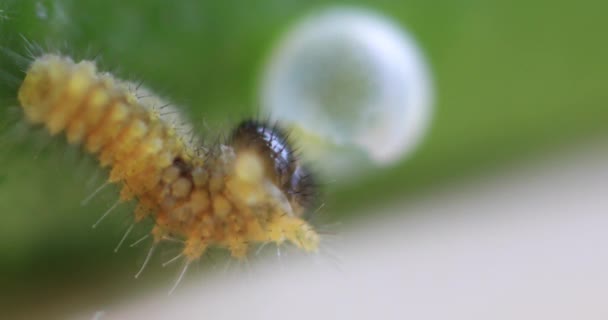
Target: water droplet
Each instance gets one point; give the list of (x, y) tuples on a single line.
[(354, 86)]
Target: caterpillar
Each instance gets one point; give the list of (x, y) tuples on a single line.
[(253, 189)]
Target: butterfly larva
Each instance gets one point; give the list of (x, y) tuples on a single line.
[(252, 189)]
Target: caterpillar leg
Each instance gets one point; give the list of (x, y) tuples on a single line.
[(194, 248), (296, 231)]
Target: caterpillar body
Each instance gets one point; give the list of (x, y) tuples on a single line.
[(250, 190)]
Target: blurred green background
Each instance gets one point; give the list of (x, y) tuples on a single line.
[(514, 79)]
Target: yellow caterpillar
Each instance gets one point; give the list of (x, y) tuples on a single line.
[(250, 190)]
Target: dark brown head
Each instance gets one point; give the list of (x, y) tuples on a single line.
[(280, 161)]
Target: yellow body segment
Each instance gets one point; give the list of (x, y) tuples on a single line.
[(220, 198)]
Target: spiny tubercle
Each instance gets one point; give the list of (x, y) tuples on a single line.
[(226, 197)]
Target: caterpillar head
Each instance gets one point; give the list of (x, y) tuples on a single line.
[(264, 156)]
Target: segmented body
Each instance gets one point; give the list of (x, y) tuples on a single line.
[(227, 196)]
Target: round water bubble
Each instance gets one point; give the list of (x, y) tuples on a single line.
[(354, 87)]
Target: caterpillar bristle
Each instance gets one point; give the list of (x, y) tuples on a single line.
[(124, 237)]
